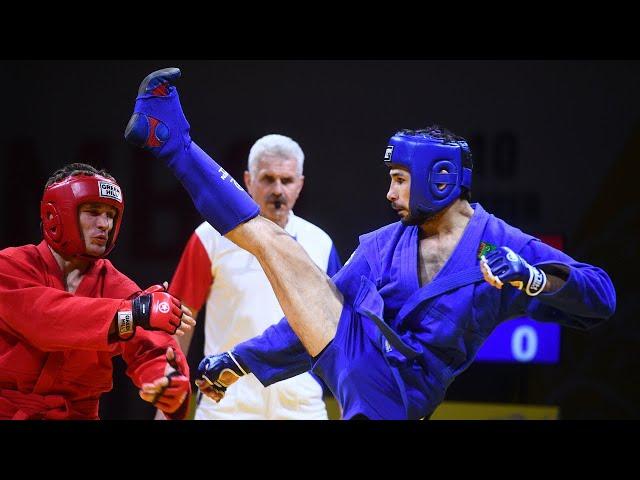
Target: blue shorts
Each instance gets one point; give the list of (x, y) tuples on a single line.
[(359, 368), (358, 373), (372, 371)]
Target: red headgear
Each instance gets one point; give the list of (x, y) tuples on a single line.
[(59, 212)]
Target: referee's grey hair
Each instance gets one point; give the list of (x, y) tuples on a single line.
[(275, 144)]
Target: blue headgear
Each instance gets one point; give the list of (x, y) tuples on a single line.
[(425, 157)]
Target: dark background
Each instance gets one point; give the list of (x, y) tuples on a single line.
[(555, 144)]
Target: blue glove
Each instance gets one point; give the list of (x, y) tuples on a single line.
[(216, 372), (159, 125), (503, 265)]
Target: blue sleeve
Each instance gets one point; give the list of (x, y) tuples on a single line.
[(275, 355), (278, 354), (586, 299), (334, 263)]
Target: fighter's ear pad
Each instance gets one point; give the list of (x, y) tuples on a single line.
[(51, 222)]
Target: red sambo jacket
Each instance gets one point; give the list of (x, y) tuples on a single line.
[(55, 359)]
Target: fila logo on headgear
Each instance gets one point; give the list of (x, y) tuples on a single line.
[(163, 307), (387, 153), (110, 190)]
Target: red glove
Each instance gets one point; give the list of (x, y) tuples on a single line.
[(154, 289), (153, 309), (171, 396)]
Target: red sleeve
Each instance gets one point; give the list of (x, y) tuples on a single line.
[(117, 284), (145, 355), (192, 279), (48, 318)]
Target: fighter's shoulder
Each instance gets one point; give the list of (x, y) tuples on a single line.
[(500, 232), (23, 257), (21, 252), (382, 234)]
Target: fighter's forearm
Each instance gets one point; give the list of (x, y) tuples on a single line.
[(554, 284), (275, 355), (585, 292), (56, 320)]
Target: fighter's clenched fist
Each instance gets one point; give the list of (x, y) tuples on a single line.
[(154, 309), (216, 372), (504, 265)]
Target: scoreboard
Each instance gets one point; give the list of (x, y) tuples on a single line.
[(522, 340)]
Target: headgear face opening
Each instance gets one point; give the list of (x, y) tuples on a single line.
[(426, 157), (59, 212)]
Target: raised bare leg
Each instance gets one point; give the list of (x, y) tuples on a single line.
[(307, 296)]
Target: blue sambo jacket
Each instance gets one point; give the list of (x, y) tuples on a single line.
[(437, 330)]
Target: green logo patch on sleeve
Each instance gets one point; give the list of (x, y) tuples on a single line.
[(484, 248)]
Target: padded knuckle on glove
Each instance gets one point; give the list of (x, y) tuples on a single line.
[(157, 311)]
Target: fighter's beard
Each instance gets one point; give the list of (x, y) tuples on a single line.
[(420, 218)]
